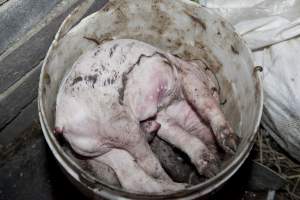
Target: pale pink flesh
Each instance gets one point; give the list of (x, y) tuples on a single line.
[(114, 87)]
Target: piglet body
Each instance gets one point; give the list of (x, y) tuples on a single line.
[(119, 92)]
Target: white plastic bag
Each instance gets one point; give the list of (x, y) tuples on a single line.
[(281, 115), (272, 30)]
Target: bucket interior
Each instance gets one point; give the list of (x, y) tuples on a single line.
[(182, 28)]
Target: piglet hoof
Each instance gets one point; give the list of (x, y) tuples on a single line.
[(228, 140), (211, 170), (208, 164)]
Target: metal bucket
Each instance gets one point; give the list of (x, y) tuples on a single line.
[(180, 27)]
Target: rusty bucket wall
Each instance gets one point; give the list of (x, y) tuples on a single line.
[(180, 27)]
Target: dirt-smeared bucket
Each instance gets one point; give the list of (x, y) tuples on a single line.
[(179, 27)]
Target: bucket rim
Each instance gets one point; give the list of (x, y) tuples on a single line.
[(111, 192)]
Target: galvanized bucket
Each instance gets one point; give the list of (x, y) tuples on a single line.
[(180, 27)]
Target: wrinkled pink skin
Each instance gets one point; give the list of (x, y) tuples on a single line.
[(112, 88)]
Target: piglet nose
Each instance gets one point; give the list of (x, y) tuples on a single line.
[(58, 130)]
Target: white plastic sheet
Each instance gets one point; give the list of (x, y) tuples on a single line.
[(272, 30)]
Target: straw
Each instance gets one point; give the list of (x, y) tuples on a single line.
[(269, 154)]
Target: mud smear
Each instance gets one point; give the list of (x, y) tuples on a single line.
[(197, 20), (76, 80), (231, 108)]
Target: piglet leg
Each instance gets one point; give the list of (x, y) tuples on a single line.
[(144, 156), (192, 124), (132, 177), (204, 160), (199, 96)]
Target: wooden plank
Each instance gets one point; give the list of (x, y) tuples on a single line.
[(262, 178), (17, 98), (18, 17), (29, 51), (24, 120)]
